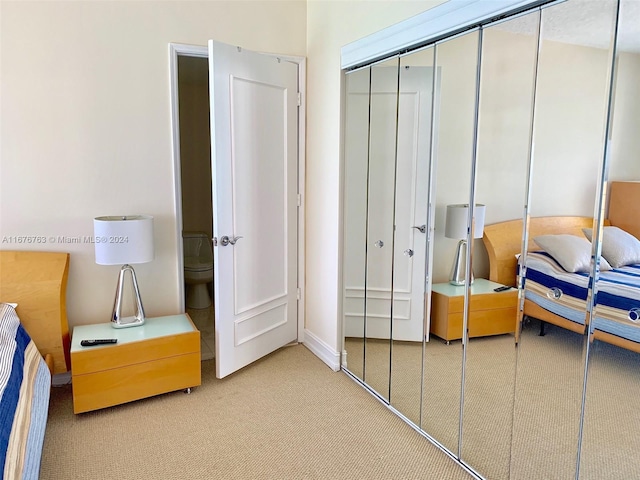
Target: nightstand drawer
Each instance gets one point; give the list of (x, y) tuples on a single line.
[(481, 323), (492, 322), (97, 359), (486, 301), (133, 382)]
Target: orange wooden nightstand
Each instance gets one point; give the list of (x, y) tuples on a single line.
[(161, 356), (490, 313)]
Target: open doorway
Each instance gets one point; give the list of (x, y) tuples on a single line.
[(194, 142)]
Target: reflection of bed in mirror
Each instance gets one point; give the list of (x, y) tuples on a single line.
[(554, 295)]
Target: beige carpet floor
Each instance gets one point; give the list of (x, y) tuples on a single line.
[(288, 416), (531, 393), (203, 319)]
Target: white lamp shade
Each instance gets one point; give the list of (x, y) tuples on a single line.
[(456, 222), (124, 239)]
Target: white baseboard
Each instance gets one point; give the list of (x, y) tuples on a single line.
[(321, 350)]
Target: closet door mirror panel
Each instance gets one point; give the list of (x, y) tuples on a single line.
[(611, 421), (380, 224), (412, 184), (456, 69), (356, 165), (569, 128), (508, 62)]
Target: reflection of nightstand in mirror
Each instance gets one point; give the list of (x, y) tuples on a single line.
[(161, 356), (490, 313)]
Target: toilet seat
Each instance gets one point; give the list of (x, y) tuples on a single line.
[(198, 269)]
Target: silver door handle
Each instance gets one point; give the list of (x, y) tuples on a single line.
[(379, 244), (224, 241), (408, 252), (422, 228)]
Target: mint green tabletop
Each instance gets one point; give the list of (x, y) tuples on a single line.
[(479, 286), (152, 328)]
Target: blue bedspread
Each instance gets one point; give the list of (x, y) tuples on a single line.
[(25, 384), (618, 303), (617, 300)]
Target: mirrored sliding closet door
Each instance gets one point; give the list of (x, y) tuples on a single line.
[(611, 419), (491, 256), (415, 111), (370, 195), (456, 63), (570, 106), (356, 126), (383, 112), (503, 150)]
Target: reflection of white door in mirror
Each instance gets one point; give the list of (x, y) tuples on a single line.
[(410, 195)]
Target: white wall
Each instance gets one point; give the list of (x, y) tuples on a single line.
[(85, 124), (330, 25), (625, 148), (569, 130)]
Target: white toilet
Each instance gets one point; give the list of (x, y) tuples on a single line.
[(198, 268)]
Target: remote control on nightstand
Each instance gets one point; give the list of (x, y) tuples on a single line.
[(502, 289), (100, 341)]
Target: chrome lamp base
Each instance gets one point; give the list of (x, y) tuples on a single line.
[(116, 317), (458, 273)]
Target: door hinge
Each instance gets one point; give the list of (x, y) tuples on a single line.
[(298, 294), (299, 200), (299, 99)]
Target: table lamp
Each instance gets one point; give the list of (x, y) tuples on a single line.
[(124, 240), (456, 227)]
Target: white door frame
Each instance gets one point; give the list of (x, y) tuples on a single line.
[(178, 49)]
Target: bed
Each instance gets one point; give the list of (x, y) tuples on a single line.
[(553, 295), (34, 345)]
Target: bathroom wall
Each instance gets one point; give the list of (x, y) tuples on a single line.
[(195, 145)]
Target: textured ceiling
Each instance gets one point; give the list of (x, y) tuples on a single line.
[(585, 22)]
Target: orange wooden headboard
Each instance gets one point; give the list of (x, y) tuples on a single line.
[(503, 241), (624, 206), (37, 282)]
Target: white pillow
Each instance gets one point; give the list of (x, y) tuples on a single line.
[(618, 247), (573, 253)]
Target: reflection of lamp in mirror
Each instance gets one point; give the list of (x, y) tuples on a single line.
[(456, 227), (124, 240)]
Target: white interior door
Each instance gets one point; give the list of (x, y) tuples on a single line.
[(254, 138)]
